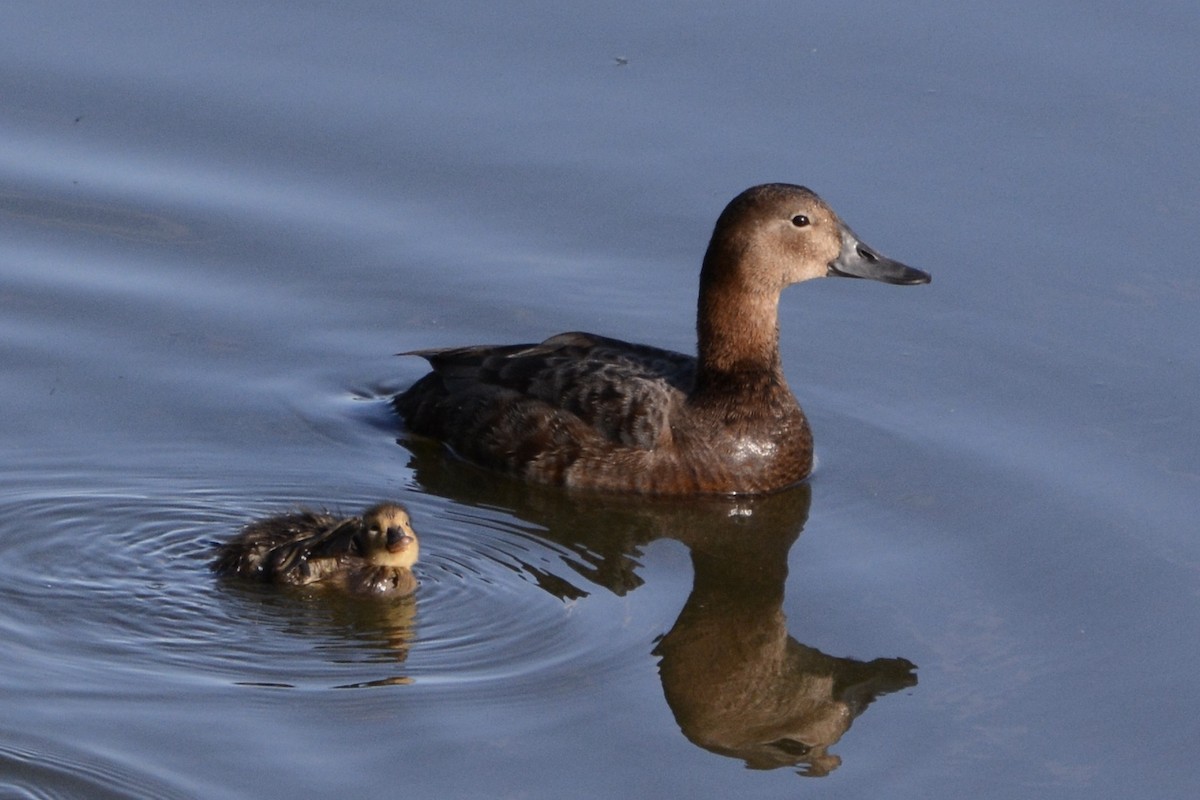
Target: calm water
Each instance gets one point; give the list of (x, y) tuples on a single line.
[(218, 225)]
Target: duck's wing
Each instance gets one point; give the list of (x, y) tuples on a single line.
[(297, 561), (314, 570), (619, 391), (255, 551), (519, 365), (337, 539)]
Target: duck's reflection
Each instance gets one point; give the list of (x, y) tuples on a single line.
[(736, 682)]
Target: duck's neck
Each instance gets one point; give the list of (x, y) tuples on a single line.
[(737, 333)]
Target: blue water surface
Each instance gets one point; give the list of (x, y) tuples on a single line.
[(220, 221)]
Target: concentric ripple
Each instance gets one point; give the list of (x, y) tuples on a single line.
[(56, 770), (117, 578)]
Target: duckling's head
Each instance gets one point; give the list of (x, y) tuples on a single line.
[(778, 234), (387, 538)]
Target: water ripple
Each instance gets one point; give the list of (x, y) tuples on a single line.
[(119, 577), (54, 770)]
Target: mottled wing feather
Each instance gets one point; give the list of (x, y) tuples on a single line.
[(335, 540), (280, 549), (620, 391), (249, 554), (312, 558)]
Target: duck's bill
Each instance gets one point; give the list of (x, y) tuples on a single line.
[(857, 260), (398, 539)]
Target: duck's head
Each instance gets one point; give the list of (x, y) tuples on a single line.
[(777, 234), (387, 538)]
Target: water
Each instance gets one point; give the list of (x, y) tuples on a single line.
[(219, 224)]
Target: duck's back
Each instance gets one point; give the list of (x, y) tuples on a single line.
[(622, 391), (578, 410)]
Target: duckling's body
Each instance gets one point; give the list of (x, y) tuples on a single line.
[(371, 555), (587, 411)]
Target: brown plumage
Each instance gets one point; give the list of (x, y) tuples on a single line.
[(371, 555), (586, 411)]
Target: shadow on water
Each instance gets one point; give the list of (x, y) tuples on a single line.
[(737, 683)]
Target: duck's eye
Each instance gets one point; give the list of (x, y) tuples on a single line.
[(792, 747), (799, 220)]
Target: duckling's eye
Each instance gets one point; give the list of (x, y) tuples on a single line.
[(799, 220)]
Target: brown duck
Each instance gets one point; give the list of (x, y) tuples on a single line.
[(371, 555), (586, 411)]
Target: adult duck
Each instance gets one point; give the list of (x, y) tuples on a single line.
[(372, 554), (586, 411)]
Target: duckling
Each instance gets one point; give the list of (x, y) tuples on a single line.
[(586, 411), (368, 555)]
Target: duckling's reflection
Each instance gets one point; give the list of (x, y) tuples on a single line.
[(736, 682), (384, 627)]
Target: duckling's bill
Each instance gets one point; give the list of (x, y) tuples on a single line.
[(399, 539)]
